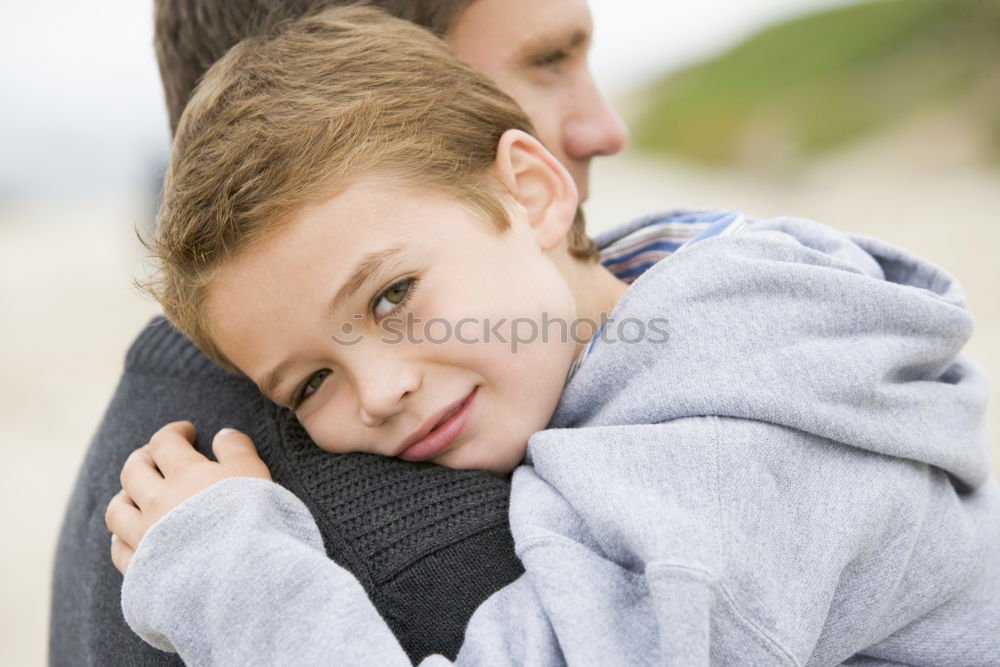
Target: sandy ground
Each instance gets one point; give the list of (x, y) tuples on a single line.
[(68, 312)]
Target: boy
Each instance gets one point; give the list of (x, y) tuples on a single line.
[(769, 452), (428, 544)]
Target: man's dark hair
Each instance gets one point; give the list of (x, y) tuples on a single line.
[(190, 35)]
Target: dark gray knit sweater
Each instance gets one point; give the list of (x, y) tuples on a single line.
[(428, 544)]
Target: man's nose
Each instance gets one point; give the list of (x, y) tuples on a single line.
[(594, 128)]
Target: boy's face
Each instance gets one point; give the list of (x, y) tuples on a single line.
[(536, 52), (390, 315)]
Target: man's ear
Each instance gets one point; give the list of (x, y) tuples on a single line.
[(539, 183)]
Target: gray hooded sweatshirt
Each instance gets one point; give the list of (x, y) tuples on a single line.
[(794, 471)]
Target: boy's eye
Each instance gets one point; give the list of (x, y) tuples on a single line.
[(386, 302), (309, 387)]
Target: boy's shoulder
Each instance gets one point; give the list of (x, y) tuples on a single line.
[(798, 325)]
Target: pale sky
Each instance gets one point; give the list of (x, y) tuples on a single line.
[(82, 109)]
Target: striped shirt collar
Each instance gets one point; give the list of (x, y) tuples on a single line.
[(629, 256)]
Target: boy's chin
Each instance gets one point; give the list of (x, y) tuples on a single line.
[(497, 465)]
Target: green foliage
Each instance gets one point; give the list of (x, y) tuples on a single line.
[(813, 84)]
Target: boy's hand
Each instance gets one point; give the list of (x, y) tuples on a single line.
[(164, 473)]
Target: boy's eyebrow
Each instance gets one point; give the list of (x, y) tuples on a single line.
[(364, 271)]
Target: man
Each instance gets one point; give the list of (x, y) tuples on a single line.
[(428, 544)]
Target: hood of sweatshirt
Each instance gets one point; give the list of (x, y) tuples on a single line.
[(793, 323)]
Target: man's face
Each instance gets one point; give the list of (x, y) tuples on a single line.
[(416, 360), (536, 51)]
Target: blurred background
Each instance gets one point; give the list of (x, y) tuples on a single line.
[(878, 117)]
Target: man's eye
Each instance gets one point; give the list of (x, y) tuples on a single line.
[(552, 59), (309, 387), (392, 298)]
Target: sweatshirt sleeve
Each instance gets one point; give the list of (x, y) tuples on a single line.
[(237, 575)]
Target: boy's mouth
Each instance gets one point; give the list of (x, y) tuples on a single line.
[(438, 432)]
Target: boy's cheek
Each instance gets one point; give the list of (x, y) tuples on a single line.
[(329, 430)]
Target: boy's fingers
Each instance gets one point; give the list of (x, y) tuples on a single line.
[(236, 451), (124, 519), (121, 554), (183, 429), (139, 477), (172, 448)]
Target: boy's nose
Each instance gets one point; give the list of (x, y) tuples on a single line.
[(371, 419), (382, 392)]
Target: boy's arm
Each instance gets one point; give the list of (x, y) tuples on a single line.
[(233, 570), (237, 575), (240, 575), (231, 576)]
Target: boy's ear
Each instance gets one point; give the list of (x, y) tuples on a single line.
[(539, 183)]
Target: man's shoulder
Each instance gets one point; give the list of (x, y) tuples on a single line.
[(160, 349), (167, 378)]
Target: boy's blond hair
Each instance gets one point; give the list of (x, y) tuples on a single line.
[(294, 117)]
